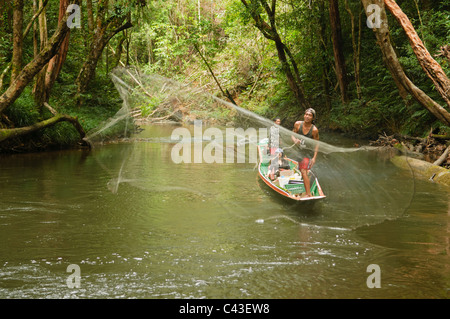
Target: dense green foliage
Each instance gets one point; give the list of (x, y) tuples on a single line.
[(165, 33), (247, 64), (101, 102)]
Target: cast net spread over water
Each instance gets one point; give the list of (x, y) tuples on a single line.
[(361, 185)]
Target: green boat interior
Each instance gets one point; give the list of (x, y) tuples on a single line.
[(289, 180)]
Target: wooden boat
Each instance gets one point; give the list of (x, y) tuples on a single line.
[(290, 183)]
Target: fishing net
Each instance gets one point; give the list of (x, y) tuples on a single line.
[(361, 185)]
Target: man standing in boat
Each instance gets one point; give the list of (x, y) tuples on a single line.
[(308, 129)]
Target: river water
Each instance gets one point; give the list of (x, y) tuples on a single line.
[(136, 225)]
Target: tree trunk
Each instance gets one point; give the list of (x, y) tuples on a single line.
[(225, 93), (356, 44), (90, 16), (7, 12), (339, 60), (151, 52), (87, 72), (36, 14), (199, 15), (35, 32), (3, 74), (397, 72), (55, 64), (117, 53), (293, 79), (106, 29), (428, 64), (26, 75), (358, 56), (127, 47), (17, 55), (323, 22), (269, 31), (31, 69), (39, 86)]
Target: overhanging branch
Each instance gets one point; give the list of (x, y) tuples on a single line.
[(6, 134)]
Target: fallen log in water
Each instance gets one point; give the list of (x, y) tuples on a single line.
[(423, 169)]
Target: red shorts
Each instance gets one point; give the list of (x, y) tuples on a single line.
[(304, 164)]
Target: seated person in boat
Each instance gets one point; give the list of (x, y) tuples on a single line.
[(278, 163)]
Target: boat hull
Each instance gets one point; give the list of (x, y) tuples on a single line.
[(316, 190)]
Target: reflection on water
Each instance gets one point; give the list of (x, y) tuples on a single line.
[(140, 226)]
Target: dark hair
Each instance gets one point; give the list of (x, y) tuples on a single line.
[(312, 111)]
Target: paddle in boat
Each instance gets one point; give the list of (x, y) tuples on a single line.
[(289, 183)]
